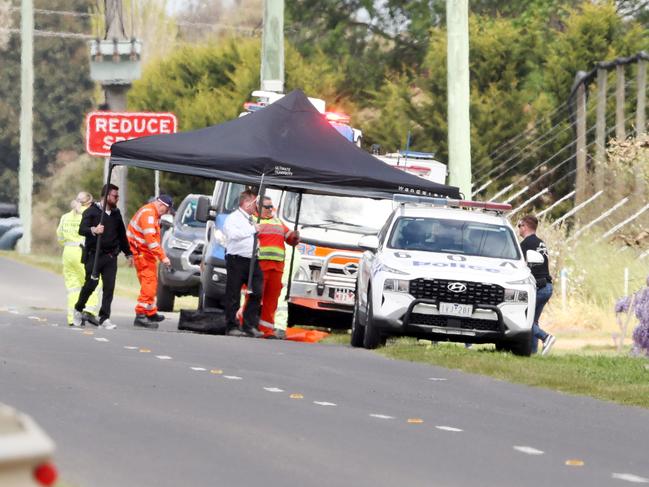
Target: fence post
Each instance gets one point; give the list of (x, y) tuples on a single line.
[(600, 129), (620, 132), (641, 120), (581, 145)]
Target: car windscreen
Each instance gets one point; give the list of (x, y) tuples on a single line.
[(454, 237), (359, 215), (188, 216)]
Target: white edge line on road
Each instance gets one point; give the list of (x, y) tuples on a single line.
[(381, 416), (273, 389), (232, 377), (528, 450), (198, 369), (449, 428), (163, 357), (437, 378), (324, 403), (14, 312), (629, 477), (102, 339), (36, 318), (130, 347)]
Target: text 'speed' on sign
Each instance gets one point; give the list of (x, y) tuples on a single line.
[(103, 129)]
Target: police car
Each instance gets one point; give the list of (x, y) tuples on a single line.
[(445, 270)]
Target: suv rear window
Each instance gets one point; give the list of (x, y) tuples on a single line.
[(454, 237)]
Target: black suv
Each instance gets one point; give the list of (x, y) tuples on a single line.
[(183, 239)]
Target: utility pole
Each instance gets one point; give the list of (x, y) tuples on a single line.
[(115, 63), (25, 173), (459, 126), (272, 47)]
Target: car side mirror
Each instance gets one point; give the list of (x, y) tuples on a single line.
[(203, 208), (166, 221), (369, 242), (534, 258)]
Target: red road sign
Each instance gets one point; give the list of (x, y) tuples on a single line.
[(103, 129)]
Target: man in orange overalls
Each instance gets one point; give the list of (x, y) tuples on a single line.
[(143, 235), (272, 235)]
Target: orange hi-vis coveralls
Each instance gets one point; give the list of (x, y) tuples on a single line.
[(143, 235), (271, 236)]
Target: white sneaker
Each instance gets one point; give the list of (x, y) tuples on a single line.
[(547, 344), (108, 325), (77, 318)]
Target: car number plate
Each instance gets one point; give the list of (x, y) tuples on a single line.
[(454, 309), (343, 296)]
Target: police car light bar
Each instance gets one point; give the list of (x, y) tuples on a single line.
[(429, 200), (336, 117)]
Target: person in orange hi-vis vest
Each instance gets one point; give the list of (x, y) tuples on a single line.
[(272, 235), (143, 235)]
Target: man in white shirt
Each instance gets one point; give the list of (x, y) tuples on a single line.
[(239, 230)]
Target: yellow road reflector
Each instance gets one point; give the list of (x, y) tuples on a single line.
[(575, 463), (296, 396), (88, 332), (415, 420), (216, 371), (145, 350)]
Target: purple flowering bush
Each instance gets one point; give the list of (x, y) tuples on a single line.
[(641, 310)]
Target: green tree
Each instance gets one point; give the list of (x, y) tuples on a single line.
[(62, 91)]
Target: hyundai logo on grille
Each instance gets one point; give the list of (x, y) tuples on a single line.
[(456, 287), (350, 269)]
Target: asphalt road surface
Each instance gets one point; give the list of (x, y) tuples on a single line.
[(139, 408)]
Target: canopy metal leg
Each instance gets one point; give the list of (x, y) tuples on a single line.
[(255, 242)]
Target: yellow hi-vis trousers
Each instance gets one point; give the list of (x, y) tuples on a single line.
[(74, 275), (281, 315)]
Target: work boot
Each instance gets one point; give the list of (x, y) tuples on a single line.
[(252, 332), (77, 319), (89, 318), (156, 317), (143, 321), (235, 332), (279, 334)]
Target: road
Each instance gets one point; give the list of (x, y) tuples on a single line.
[(139, 408)]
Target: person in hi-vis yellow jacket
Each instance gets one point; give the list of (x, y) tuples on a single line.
[(74, 273)]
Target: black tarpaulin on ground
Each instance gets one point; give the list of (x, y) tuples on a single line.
[(289, 141)]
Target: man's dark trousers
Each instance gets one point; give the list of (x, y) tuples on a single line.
[(237, 269), (107, 269)]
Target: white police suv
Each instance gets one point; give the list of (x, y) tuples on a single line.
[(449, 270)]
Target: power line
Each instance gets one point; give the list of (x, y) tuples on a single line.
[(57, 12), (49, 33)]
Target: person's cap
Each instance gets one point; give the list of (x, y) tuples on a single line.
[(168, 201)]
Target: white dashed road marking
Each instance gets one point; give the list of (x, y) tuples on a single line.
[(128, 347), (232, 377), (381, 416), (198, 369), (448, 428), (437, 378), (35, 318), (629, 477), (324, 403), (163, 357), (528, 450), (273, 389), (14, 312), (102, 339)]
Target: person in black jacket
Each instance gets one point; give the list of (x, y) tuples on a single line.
[(113, 241), (527, 230)]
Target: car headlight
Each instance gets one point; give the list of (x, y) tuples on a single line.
[(528, 280), (515, 296), (397, 285), (178, 243), (392, 270)]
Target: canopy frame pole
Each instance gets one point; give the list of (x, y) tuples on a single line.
[(94, 275), (255, 238), (290, 267)]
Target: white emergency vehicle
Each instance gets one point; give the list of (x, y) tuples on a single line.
[(445, 270)]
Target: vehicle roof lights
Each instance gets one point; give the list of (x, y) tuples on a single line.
[(453, 203), (337, 117)]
